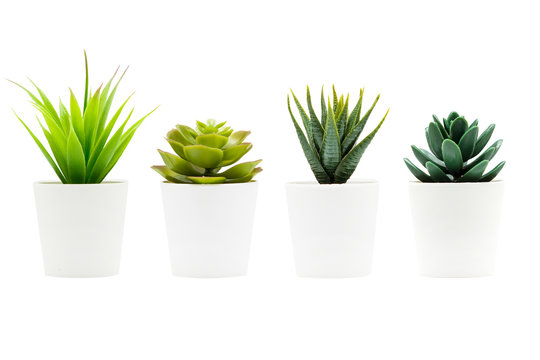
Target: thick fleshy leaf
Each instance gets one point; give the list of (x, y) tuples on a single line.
[(312, 158), (331, 147), (475, 173), (452, 116), (246, 178), (212, 140), (483, 139), (436, 174), (316, 128), (355, 115), (493, 173), (177, 147), (76, 117), (419, 174), (424, 156), (486, 155), (179, 165), (441, 126), (240, 170), (467, 142), (207, 179), (203, 156), (324, 112), (458, 128), (188, 135), (305, 119), (452, 157), (236, 138), (75, 159), (341, 120), (348, 164), (234, 153), (171, 175), (435, 139), (90, 120)]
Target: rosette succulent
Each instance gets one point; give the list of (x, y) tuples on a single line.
[(331, 144), (455, 152), (203, 152)]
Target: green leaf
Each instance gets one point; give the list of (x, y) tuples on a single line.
[(331, 147), (441, 126), (179, 165), (341, 120), (324, 112), (171, 176), (206, 179), (493, 173), (486, 155), (355, 115), (203, 156), (90, 120), (177, 147), (305, 119), (86, 93), (317, 129), (76, 117), (435, 140), (349, 163), (354, 133), (475, 173), (240, 170), (246, 178), (336, 101), (437, 175), (187, 135), (313, 160), (467, 142), (458, 128), (236, 138), (452, 156), (212, 140), (76, 164), (424, 156), (419, 174), (483, 139), (45, 152), (234, 153), (452, 116)]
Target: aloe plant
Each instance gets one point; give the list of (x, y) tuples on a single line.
[(331, 144), (201, 153), (83, 146), (455, 152)]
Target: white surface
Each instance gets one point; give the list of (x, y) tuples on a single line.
[(456, 227), (81, 227), (236, 60), (209, 228), (333, 243)]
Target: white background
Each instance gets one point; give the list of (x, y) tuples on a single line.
[(236, 61)]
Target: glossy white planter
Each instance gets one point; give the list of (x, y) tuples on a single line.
[(81, 227), (333, 227), (456, 227), (209, 227)]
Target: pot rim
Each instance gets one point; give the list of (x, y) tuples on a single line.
[(456, 184), (249, 183), (58, 183), (350, 183)]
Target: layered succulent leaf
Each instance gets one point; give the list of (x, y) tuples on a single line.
[(456, 152), (203, 152), (331, 144), (84, 144)]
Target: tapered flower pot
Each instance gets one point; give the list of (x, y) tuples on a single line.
[(333, 227), (81, 227), (209, 227), (456, 227)]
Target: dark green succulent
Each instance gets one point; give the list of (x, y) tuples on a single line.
[(201, 154), (455, 152), (331, 144)]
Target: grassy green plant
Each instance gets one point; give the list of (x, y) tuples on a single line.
[(455, 152), (83, 146), (330, 144), (201, 154)]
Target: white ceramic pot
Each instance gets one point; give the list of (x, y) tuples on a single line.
[(456, 227), (333, 227), (81, 227), (209, 227)]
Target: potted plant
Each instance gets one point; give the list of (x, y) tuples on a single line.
[(456, 205), (333, 220), (81, 217), (208, 209)]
